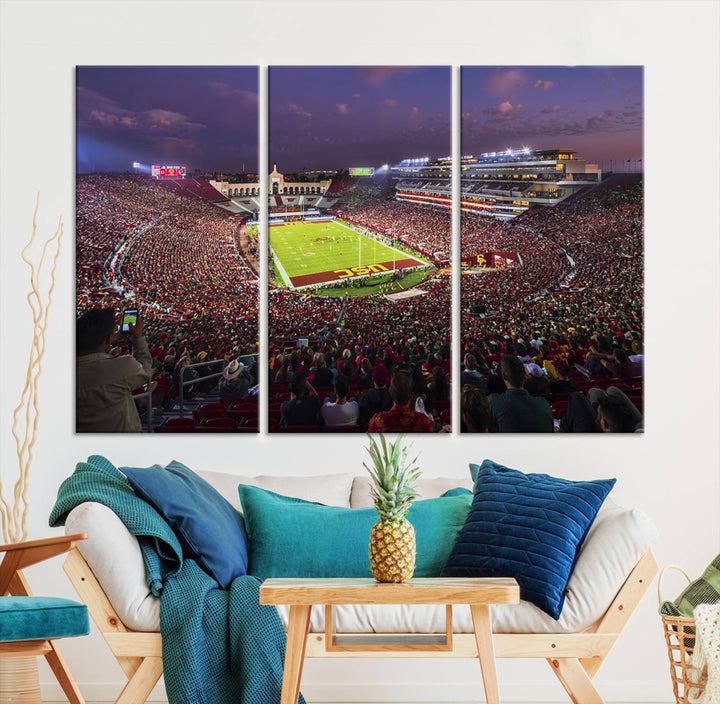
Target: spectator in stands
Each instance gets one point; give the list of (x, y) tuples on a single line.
[(475, 409), (323, 376), (342, 411), (579, 416), (438, 388), (376, 399), (637, 357), (516, 411), (235, 381), (563, 384), (365, 377), (283, 374), (536, 383), (303, 408), (596, 395), (400, 418), (615, 416), (471, 375), (104, 384)]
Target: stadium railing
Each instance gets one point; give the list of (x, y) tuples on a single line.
[(199, 379)]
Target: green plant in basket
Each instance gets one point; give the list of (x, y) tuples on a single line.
[(392, 539)]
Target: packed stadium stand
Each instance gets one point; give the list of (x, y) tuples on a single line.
[(358, 335), (576, 298), (192, 187), (186, 263)]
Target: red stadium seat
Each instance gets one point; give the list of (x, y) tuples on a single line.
[(226, 422), (209, 410), (176, 425)]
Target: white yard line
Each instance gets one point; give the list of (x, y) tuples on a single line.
[(282, 272), (404, 255)]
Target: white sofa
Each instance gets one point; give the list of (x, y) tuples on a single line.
[(613, 570)]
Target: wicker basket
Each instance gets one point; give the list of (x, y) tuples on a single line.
[(680, 640)]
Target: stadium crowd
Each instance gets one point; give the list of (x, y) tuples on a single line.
[(576, 302), (177, 259)]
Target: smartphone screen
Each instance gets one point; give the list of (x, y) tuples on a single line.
[(130, 317)]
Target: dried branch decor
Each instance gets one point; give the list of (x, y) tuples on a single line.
[(13, 514)]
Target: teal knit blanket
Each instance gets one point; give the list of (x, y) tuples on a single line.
[(219, 646)]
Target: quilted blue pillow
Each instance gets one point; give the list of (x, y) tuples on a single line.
[(209, 529), (526, 526)]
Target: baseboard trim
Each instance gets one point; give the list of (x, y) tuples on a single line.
[(409, 693)]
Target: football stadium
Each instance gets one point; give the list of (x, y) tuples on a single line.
[(360, 288), (308, 254)]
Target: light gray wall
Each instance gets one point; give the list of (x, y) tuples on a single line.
[(672, 472)]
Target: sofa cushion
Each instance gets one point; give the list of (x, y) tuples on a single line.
[(113, 554), (617, 539), (289, 537), (40, 618), (210, 530), (427, 488), (328, 489), (526, 526)]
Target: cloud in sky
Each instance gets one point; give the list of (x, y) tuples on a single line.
[(503, 81), (248, 97), (104, 114), (204, 116), (378, 75), (299, 111), (587, 108)]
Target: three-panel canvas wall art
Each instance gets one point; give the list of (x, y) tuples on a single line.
[(354, 236)]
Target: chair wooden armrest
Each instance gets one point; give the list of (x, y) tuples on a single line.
[(31, 552)]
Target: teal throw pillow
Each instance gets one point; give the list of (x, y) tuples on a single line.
[(209, 529), (289, 537)]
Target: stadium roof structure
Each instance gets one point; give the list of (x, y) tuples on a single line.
[(500, 184)]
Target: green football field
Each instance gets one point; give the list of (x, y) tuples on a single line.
[(308, 253)]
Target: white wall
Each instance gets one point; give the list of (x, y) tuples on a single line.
[(672, 472)]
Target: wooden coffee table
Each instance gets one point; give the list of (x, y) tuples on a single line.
[(302, 594)]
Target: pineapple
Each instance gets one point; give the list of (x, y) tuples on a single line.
[(392, 539)]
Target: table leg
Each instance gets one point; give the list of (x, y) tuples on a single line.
[(298, 627), (486, 651)]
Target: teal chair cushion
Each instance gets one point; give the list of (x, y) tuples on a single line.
[(40, 618)]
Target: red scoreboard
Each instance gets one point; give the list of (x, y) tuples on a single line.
[(168, 171)]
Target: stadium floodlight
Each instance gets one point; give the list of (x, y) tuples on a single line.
[(136, 164)]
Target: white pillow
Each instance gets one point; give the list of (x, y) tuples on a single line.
[(428, 488), (328, 489)]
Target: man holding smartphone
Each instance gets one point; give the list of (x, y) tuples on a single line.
[(104, 383)]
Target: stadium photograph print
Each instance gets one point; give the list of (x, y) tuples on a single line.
[(167, 194), (552, 249), (359, 249)]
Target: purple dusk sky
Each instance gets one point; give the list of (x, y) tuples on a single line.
[(335, 117), (202, 117), (596, 110)]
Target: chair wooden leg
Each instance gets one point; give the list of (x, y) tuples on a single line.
[(62, 673), (138, 688), (576, 681)]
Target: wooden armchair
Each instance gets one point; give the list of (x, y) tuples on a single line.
[(30, 625)]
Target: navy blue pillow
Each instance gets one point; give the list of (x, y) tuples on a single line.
[(526, 526), (210, 530)]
